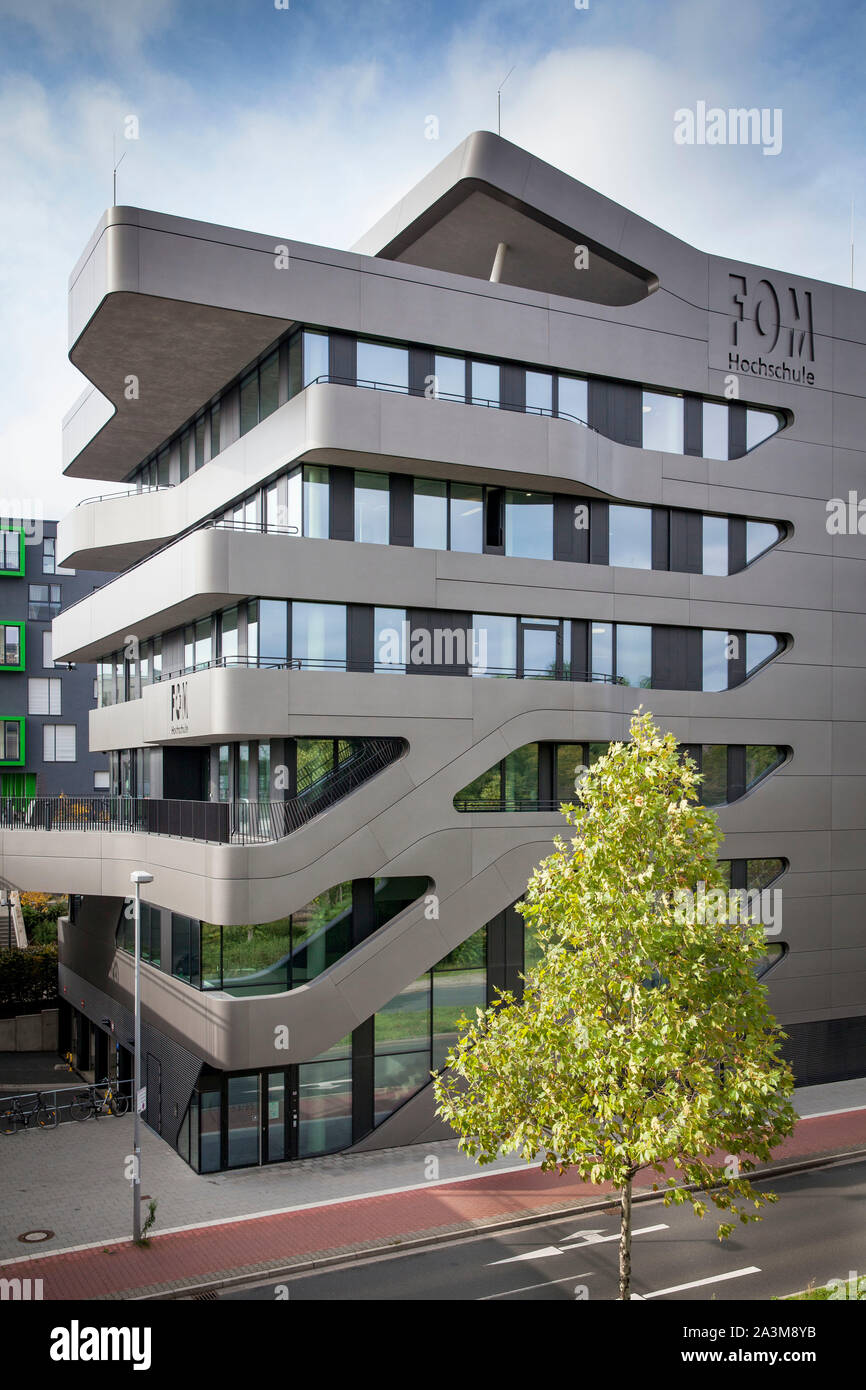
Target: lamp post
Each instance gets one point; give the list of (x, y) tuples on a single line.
[(139, 877)]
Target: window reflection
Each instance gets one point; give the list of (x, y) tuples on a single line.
[(319, 634), (634, 655), (715, 430), (529, 524), (715, 661), (663, 417), (372, 506), (630, 531), (387, 366), (715, 545), (466, 518), (430, 514)]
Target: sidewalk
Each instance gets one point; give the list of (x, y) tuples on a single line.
[(367, 1208)]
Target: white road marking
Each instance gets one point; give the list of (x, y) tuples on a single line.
[(582, 1238), (699, 1283), (566, 1279)]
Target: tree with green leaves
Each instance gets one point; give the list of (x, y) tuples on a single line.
[(643, 1040)]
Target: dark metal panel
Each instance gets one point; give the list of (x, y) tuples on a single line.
[(421, 368), (571, 528), (400, 502), (342, 504), (736, 771), (661, 528), (448, 637), (512, 387), (693, 439), (599, 533), (342, 359), (736, 544), (686, 541), (736, 430), (359, 636)]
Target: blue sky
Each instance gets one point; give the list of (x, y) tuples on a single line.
[(247, 112)]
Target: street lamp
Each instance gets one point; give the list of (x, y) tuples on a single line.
[(139, 877)]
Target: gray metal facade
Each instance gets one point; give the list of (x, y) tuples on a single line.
[(189, 307)]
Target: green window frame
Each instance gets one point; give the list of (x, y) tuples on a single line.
[(4, 644), (9, 740), (5, 568)]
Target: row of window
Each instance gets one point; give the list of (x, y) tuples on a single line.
[(650, 419), (271, 957), (252, 770), (333, 1100), (359, 637), (427, 513), (540, 776)]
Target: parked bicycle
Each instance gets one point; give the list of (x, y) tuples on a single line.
[(16, 1113), (98, 1100)]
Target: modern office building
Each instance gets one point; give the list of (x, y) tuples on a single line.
[(416, 527), (44, 704)]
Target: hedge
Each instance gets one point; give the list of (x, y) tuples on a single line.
[(28, 976)]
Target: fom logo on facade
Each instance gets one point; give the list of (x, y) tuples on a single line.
[(178, 717), (772, 321), (77, 1343)]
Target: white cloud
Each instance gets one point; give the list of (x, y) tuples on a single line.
[(323, 158)]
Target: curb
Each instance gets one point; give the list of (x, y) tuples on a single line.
[(399, 1247)]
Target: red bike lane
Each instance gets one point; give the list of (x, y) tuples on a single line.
[(264, 1244)]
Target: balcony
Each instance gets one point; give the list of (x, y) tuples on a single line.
[(212, 822)]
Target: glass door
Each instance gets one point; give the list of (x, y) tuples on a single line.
[(540, 653), (242, 1121), (279, 1115)]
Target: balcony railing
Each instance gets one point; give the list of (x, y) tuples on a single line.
[(217, 822)]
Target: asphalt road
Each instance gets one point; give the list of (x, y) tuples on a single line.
[(815, 1232)]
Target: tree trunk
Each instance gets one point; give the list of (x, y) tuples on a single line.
[(625, 1242)]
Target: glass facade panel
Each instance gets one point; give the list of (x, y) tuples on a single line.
[(315, 357), (321, 933), (249, 402), (389, 640), (570, 765), (372, 508), (456, 994), (316, 501), (229, 635), (263, 771), (387, 366), (485, 383), (539, 392), (761, 759), (601, 651), (324, 1106), (715, 430), (715, 660), (403, 1024), (256, 959), (276, 1116), (760, 646), (630, 537), (714, 767), (294, 518), (494, 645), (430, 514), (715, 545), (397, 1076), (319, 635), (760, 536), (521, 777), (529, 524), (663, 422), (269, 377), (760, 873), (573, 398), (210, 1118), (760, 424), (466, 518), (634, 655), (450, 373), (242, 1120)]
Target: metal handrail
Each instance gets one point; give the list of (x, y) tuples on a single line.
[(130, 492), (216, 822), (529, 803), (329, 379)]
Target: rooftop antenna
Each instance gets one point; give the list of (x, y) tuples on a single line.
[(499, 100), (117, 164)]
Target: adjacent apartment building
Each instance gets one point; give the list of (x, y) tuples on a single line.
[(415, 528), (44, 703)]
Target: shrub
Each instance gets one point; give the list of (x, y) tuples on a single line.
[(28, 976)]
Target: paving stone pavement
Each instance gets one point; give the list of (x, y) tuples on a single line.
[(71, 1180)]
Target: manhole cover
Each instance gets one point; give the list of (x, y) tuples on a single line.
[(33, 1237)]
